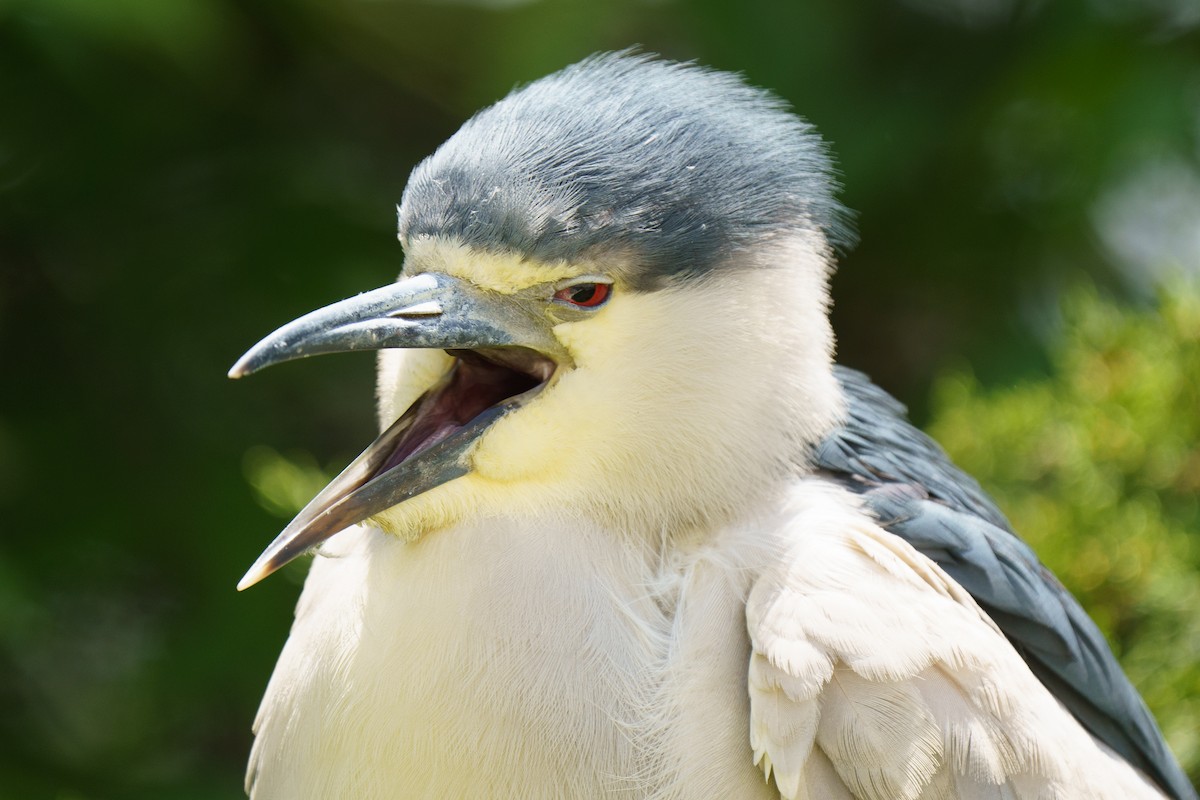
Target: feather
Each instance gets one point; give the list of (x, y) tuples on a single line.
[(917, 693), (910, 486), (881, 737)]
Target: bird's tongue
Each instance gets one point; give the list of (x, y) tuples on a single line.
[(474, 385)]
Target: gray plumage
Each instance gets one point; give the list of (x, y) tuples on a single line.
[(675, 187), (917, 493)]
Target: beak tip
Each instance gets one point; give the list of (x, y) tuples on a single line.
[(253, 575), (241, 369)]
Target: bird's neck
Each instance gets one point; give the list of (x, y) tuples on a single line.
[(436, 653)]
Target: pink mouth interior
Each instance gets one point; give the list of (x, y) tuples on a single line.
[(476, 383)]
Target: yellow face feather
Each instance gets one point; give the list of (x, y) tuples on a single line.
[(503, 273), (680, 403)]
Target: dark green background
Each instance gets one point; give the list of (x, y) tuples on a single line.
[(178, 177)]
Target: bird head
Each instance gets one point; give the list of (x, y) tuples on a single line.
[(613, 304)]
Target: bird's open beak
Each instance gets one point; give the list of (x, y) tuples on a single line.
[(505, 354)]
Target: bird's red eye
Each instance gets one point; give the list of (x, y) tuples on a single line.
[(584, 295)]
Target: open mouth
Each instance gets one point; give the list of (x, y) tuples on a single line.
[(428, 446), (504, 355), (478, 380)]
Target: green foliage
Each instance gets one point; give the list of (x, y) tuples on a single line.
[(283, 485), (1098, 467)]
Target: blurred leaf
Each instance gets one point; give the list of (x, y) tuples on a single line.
[(283, 485)]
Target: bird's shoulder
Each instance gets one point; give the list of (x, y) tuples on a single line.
[(909, 486), (875, 675)]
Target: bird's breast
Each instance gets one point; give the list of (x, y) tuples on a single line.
[(510, 658)]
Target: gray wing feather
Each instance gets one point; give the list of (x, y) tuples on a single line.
[(909, 483)]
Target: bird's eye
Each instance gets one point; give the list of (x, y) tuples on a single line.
[(584, 295)]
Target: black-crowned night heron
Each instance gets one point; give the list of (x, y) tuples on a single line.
[(628, 531)]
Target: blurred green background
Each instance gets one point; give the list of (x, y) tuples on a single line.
[(178, 177)]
